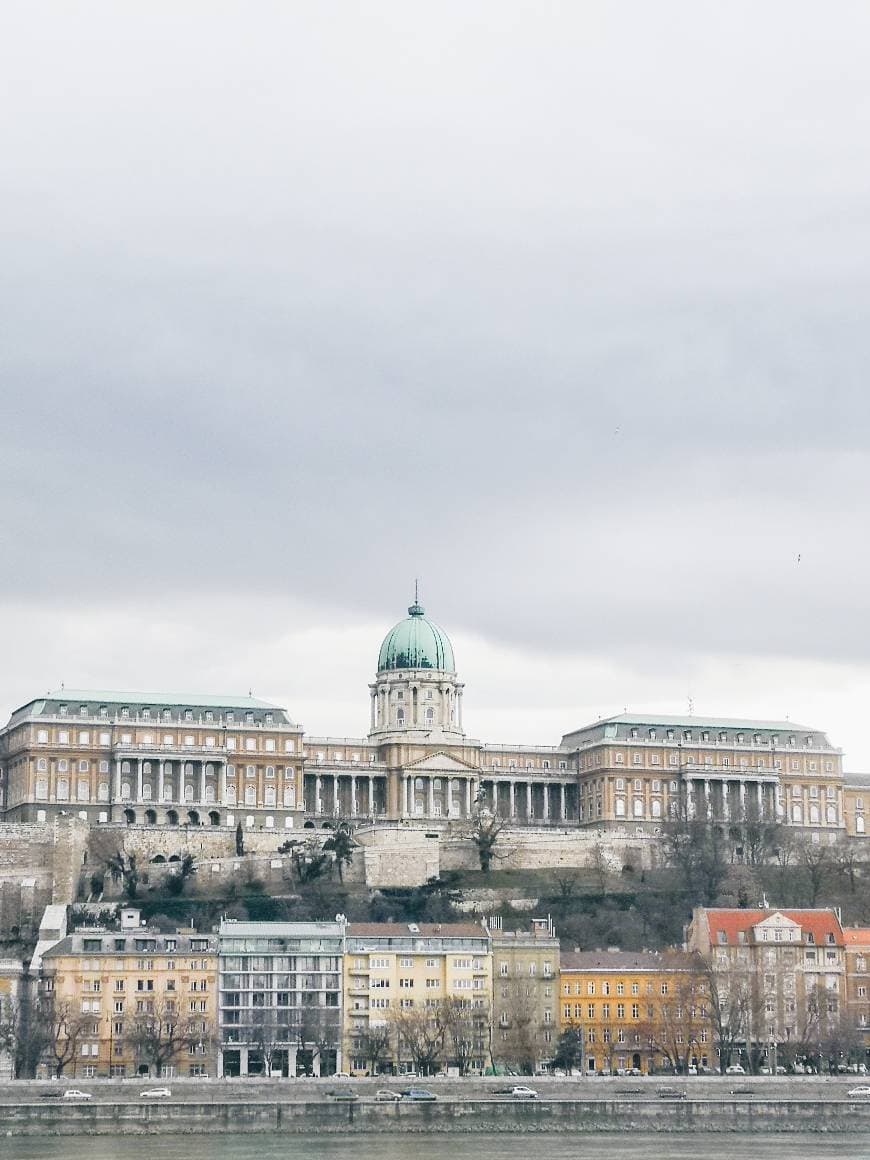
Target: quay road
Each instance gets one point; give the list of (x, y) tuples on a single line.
[(256, 1090)]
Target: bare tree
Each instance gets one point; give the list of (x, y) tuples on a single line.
[(420, 1033), (465, 1025), (515, 1036), (66, 1029), (25, 1034), (728, 998), (374, 1045), (484, 830), (157, 1035), (679, 1020)]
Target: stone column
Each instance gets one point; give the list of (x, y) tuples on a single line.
[(468, 797), (335, 796), (690, 799), (222, 782), (354, 810), (371, 795), (117, 779), (708, 801), (138, 779), (450, 781), (529, 801), (160, 773), (512, 798), (202, 781), (430, 797), (181, 776), (403, 809), (742, 801), (318, 786), (373, 710), (563, 805), (546, 802)]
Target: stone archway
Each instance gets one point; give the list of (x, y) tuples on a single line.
[(130, 817)]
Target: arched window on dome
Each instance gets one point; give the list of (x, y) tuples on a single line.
[(400, 716), (430, 716)]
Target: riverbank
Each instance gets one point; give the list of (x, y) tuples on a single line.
[(629, 1113)]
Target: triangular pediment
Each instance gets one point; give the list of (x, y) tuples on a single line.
[(441, 763), (777, 919)]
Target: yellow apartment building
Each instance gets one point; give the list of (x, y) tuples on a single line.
[(416, 997), (131, 1001), (639, 1012)]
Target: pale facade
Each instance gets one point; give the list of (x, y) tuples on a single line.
[(525, 986), (158, 760), (396, 971), (136, 1000), (790, 966)]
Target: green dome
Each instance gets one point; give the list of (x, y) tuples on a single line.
[(416, 643)]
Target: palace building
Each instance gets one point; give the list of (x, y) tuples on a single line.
[(162, 760)]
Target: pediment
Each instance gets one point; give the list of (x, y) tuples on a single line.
[(441, 763), (777, 919)]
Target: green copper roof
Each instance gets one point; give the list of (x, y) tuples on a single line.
[(416, 643)]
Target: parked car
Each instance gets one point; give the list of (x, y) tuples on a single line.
[(75, 1094), (155, 1094), (669, 1093), (342, 1075), (735, 1069), (861, 1091), (343, 1094), (521, 1092), (385, 1096), (416, 1093)]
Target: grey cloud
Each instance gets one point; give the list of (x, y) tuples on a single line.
[(565, 312)]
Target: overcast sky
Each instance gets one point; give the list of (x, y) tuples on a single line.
[(561, 307)]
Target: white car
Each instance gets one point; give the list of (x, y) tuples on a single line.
[(155, 1094), (735, 1069), (521, 1092), (864, 1090), (75, 1094)]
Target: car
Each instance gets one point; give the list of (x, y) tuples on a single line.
[(385, 1096), (669, 1093), (50, 1095), (343, 1094), (735, 1069), (521, 1092), (342, 1075), (421, 1094), (76, 1094), (861, 1091), (155, 1094)]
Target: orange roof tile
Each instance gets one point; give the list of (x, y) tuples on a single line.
[(819, 923), (856, 936)]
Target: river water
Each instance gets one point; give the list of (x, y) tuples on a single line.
[(255, 1146)]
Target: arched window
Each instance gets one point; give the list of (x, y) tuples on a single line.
[(430, 716), (656, 808), (250, 795), (637, 806), (62, 789), (269, 795), (125, 791), (231, 795), (831, 814), (146, 792), (188, 792), (859, 824), (814, 815), (400, 716), (289, 795), (125, 767), (620, 807), (797, 813), (42, 788), (209, 793), (103, 791)]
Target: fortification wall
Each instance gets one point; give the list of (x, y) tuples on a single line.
[(40, 863)]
